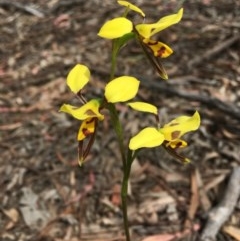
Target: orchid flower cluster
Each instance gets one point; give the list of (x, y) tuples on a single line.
[(120, 30), (125, 88)]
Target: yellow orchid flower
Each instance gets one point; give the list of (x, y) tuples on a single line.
[(119, 89), (157, 48), (88, 110), (169, 135), (119, 27), (179, 126)]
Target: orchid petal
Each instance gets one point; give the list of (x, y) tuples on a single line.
[(78, 77), (179, 126), (144, 107), (90, 109), (116, 28), (148, 137), (132, 7), (177, 143), (159, 49), (87, 128), (121, 89), (148, 30)]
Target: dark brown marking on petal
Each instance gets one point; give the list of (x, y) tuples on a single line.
[(86, 132), (90, 120), (161, 51), (179, 144), (175, 134), (89, 112)]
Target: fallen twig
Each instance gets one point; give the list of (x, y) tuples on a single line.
[(215, 103), (212, 51), (22, 7), (220, 214), (67, 3)]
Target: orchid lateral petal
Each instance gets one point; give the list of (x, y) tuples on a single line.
[(148, 137), (148, 30), (168, 21), (159, 49), (78, 77), (116, 28), (87, 128), (131, 6), (179, 126), (121, 89), (90, 109), (144, 107)]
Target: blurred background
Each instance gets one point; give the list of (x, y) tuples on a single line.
[(44, 194)]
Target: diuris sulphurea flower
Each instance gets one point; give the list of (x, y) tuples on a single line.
[(153, 49), (169, 135), (120, 89)]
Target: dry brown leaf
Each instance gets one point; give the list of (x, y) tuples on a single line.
[(169, 237), (10, 225), (232, 231), (12, 213), (160, 237), (156, 204), (215, 181), (194, 203), (205, 202)]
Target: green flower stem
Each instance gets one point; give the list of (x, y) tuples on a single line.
[(119, 132), (111, 107), (118, 129), (115, 49), (124, 192), (127, 162)]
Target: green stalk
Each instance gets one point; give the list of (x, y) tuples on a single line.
[(119, 131), (127, 161), (115, 49), (124, 193)]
